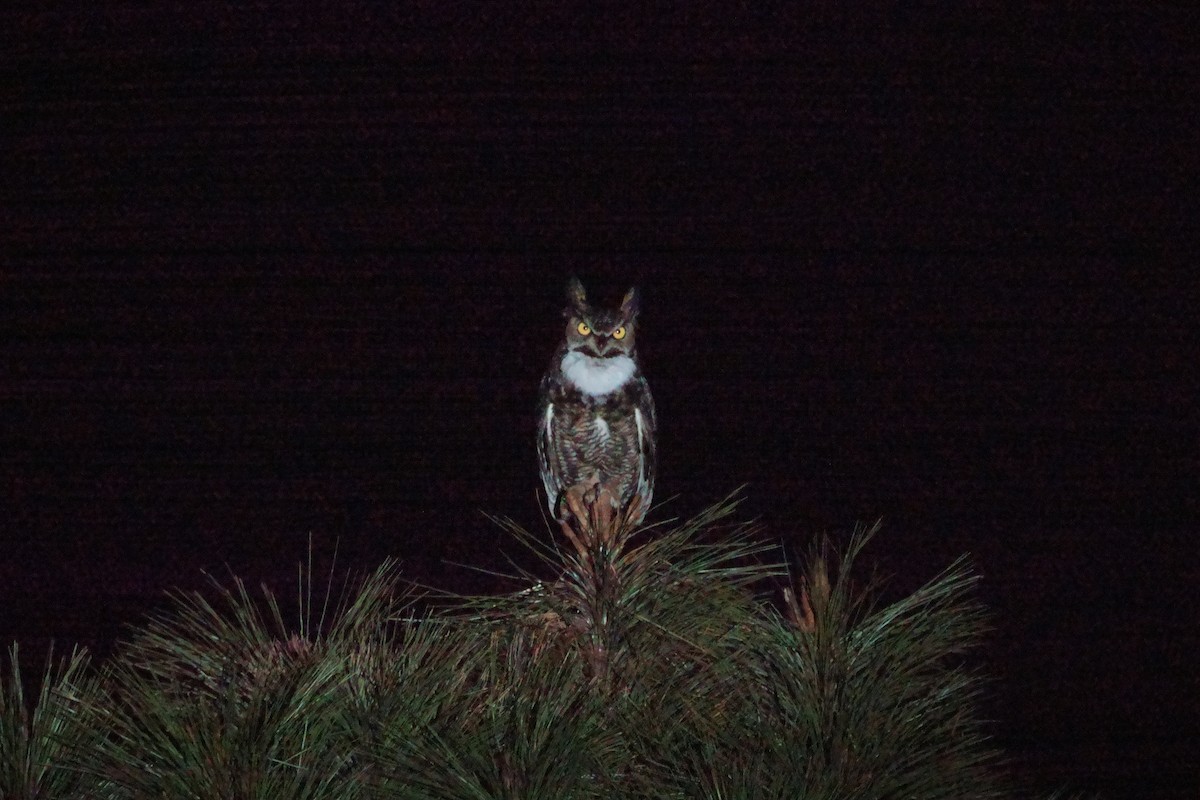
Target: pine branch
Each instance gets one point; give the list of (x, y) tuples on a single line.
[(649, 663), (35, 743)]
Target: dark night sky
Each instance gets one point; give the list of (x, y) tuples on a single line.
[(266, 276)]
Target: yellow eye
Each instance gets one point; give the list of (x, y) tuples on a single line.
[(619, 333), (583, 329)]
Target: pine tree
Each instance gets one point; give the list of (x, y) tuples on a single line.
[(639, 662)]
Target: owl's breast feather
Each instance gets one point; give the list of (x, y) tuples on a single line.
[(597, 376)]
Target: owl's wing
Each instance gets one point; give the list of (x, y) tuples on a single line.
[(647, 433), (546, 448)]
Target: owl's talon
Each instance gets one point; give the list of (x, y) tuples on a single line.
[(569, 532), (574, 498)]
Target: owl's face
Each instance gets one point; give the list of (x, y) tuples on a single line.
[(600, 332)]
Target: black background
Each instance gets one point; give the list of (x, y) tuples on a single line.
[(269, 275)]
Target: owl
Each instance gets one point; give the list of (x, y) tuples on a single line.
[(596, 422)]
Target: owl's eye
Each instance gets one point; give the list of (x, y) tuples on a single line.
[(583, 329), (619, 333)]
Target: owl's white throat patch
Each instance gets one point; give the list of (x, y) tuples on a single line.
[(597, 376)]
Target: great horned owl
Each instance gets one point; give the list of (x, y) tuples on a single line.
[(596, 423)]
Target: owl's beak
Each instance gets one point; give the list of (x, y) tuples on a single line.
[(600, 344)]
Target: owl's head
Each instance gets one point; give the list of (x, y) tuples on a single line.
[(600, 332)]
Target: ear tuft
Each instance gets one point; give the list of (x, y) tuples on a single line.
[(576, 296), (631, 304)]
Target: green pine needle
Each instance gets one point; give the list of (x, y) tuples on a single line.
[(654, 664), (36, 742)]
